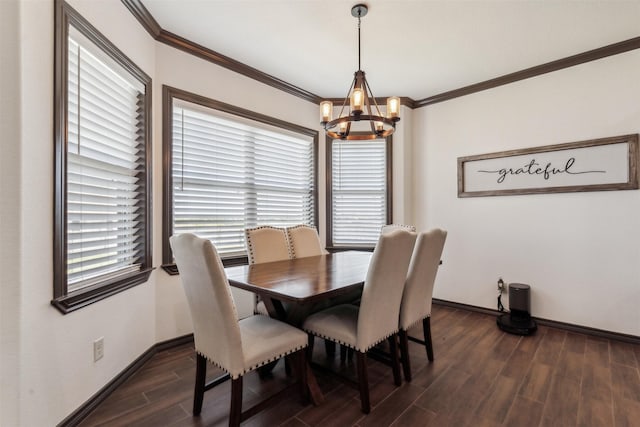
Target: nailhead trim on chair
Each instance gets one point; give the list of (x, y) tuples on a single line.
[(349, 345), (292, 251), (252, 368), (250, 245), (415, 323), (400, 226)]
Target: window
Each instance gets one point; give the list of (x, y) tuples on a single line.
[(102, 137), (359, 191), (229, 169)]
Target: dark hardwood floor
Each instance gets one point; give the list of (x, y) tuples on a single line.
[(480, 377)]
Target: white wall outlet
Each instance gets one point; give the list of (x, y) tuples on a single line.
[(98, 349)]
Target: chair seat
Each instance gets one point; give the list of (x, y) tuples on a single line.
[(339, 323), (265, 339)]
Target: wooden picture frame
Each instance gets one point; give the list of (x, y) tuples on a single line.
[(593, 165)]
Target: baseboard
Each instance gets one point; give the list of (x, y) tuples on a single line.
[(77, 416), (600, 333)]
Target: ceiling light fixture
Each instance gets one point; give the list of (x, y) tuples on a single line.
[(360, 100)]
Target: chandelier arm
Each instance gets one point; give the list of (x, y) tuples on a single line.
[(346, 99), (363, 117), (375, 103), (365, 93), (359, 136), (373, 127)]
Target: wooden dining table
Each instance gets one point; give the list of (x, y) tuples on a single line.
[(292, 288)]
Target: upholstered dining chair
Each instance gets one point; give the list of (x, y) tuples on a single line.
[(390, 227), (418, 293), (266, 244), (376, 318), (304, 241), (236, 346)]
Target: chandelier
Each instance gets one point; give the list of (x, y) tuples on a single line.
[(360, 105)]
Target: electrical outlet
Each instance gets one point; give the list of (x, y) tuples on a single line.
[(98, 349), (501, 285)]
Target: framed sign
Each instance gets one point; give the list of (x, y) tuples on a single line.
[(595, 165)]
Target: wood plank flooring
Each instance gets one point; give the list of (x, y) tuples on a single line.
[(480, 377)]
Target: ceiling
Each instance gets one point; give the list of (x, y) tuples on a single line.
[(410, 48)]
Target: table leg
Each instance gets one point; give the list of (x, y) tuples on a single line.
[(294, 316), (317, 397)]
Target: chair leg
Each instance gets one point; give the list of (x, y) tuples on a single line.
[(310, 342), (343, 353), (301, 363), (426, 327), (201, 376), (363, 381), (330, 348), (404, 355), (395, 362), (235, 413), (287, 366), (346, 353)]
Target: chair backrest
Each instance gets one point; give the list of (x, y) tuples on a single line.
[(304, 241), (383, 287), (391, 227), (266, 244), (213, 313), (418, 290)]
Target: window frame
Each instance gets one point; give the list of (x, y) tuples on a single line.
[(168, 95), (329, 193), (65, 302)]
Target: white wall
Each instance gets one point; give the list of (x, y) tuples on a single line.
[(402, 168), (9, 212), (578, 251)]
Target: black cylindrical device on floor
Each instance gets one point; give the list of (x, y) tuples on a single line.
[(518, 321)]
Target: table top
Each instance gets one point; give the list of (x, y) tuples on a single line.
[(303, 280)]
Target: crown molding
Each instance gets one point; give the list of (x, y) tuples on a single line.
[(155, 30), (570, 61), (143, 16)]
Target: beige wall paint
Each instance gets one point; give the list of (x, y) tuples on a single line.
[(10, 248), (578, 251)]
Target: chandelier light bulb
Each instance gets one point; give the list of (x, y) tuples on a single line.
[(326, 111), (393, 107), (357, 101)]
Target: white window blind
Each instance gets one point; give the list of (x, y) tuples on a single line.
[(230, 173), (359, 191), (105, 157)]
